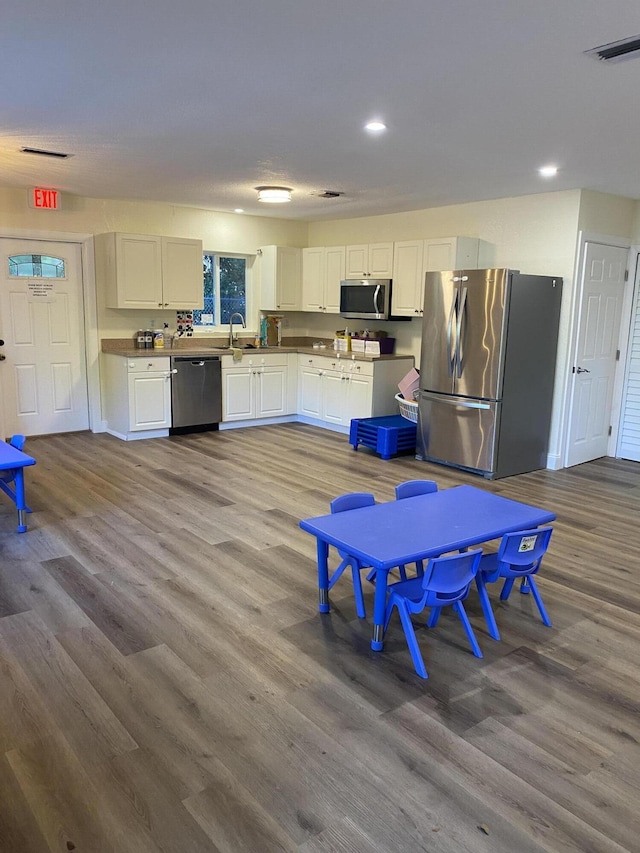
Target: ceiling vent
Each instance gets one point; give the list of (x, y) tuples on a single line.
[(329, 194), (616, 51), (43, 153)]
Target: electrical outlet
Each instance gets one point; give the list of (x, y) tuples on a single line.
[(285, 322)]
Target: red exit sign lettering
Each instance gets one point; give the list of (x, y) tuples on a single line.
[(44, 199)]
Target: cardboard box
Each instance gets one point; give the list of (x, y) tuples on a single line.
[(409, 384)]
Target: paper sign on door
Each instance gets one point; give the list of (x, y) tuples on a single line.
[(41, 291)]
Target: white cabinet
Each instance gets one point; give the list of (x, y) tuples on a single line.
[(281, 278), (332, 390), (143, 271), (323, 268), (137, 395), (413, 258), (373, 260), (259, 386)]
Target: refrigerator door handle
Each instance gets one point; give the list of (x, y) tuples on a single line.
[(450, 353), (452, 401), (462, 316)]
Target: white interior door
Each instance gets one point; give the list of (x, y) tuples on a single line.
[(600, 306), (629, 433), (43, 377)]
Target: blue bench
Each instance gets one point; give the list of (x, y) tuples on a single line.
[(386, 435), (12, 464)]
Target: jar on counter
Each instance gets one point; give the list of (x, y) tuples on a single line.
[(139, 339)]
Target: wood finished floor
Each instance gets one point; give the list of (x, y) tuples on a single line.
[(166, 683)]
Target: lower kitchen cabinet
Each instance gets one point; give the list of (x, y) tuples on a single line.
[(334, 390), (137, 395), (258, 386)]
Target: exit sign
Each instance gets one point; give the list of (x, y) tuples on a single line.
[(44, 199)]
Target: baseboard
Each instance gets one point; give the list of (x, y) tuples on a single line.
[(554, 462)]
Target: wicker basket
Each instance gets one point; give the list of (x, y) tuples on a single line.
[(408, 409)]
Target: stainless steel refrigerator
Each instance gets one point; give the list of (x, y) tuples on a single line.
[(487, 367)]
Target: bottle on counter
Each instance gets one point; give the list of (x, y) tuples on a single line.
[(158, 339), (139, 339), (148, 339)]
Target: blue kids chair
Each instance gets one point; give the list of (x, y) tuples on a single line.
[(409, 490), (445, 583), (8, 476), (353, 500), (519, 556)]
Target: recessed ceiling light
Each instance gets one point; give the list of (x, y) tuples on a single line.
[(375, 126), (548, 171), (274, 195), (238, 210)]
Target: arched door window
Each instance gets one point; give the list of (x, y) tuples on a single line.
[(36, 266)]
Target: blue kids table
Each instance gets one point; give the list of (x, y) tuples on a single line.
[(401, 532), (12, 465)]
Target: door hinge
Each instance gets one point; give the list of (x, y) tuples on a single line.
[(617, 355), (626, 275), (609, 433)]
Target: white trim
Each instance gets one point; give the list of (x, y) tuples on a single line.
[(623, 345), (286, 419), (134, 436), (585, 237), (89, 300)]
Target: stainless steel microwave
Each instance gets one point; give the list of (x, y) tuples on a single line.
[(366, 298)]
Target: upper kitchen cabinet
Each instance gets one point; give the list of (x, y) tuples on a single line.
[(373, 260), (323, 268), (143, 271), (414, 258), (281, 278)]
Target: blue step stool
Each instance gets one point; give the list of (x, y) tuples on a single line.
[(387, 436)]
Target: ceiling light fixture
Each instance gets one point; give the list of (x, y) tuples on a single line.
[(274, 195), (238, 210), (375, 126), (548, 171)]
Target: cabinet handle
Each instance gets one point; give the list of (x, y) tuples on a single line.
[(159, 304)]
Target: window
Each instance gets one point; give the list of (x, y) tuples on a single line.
[(225, 290), (36, 266)]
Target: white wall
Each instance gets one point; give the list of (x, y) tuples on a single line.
[(219, 231), (535, 234)]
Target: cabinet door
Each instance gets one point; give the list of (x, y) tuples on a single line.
[(451, 253), (310, 393), (333, 396), (238, 397), (381, 260), (182, 274), (149, 401), (289, 279), (271, 392), (408, 279), (357, 261), (359, 395), (138, 271), (313, 261), (334, 273)]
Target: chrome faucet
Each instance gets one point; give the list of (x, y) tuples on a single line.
[(244, 326)]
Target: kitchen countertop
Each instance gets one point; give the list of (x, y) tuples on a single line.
[(117, 346)]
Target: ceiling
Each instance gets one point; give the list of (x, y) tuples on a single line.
[(198, 102)]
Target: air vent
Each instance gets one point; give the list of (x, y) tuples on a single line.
[(616, 51), (43, 153), (329, 194)]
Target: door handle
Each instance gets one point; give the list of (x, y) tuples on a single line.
[(2, 357), (582, 370)]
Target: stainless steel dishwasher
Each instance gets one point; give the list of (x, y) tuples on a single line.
[(196, 392)]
